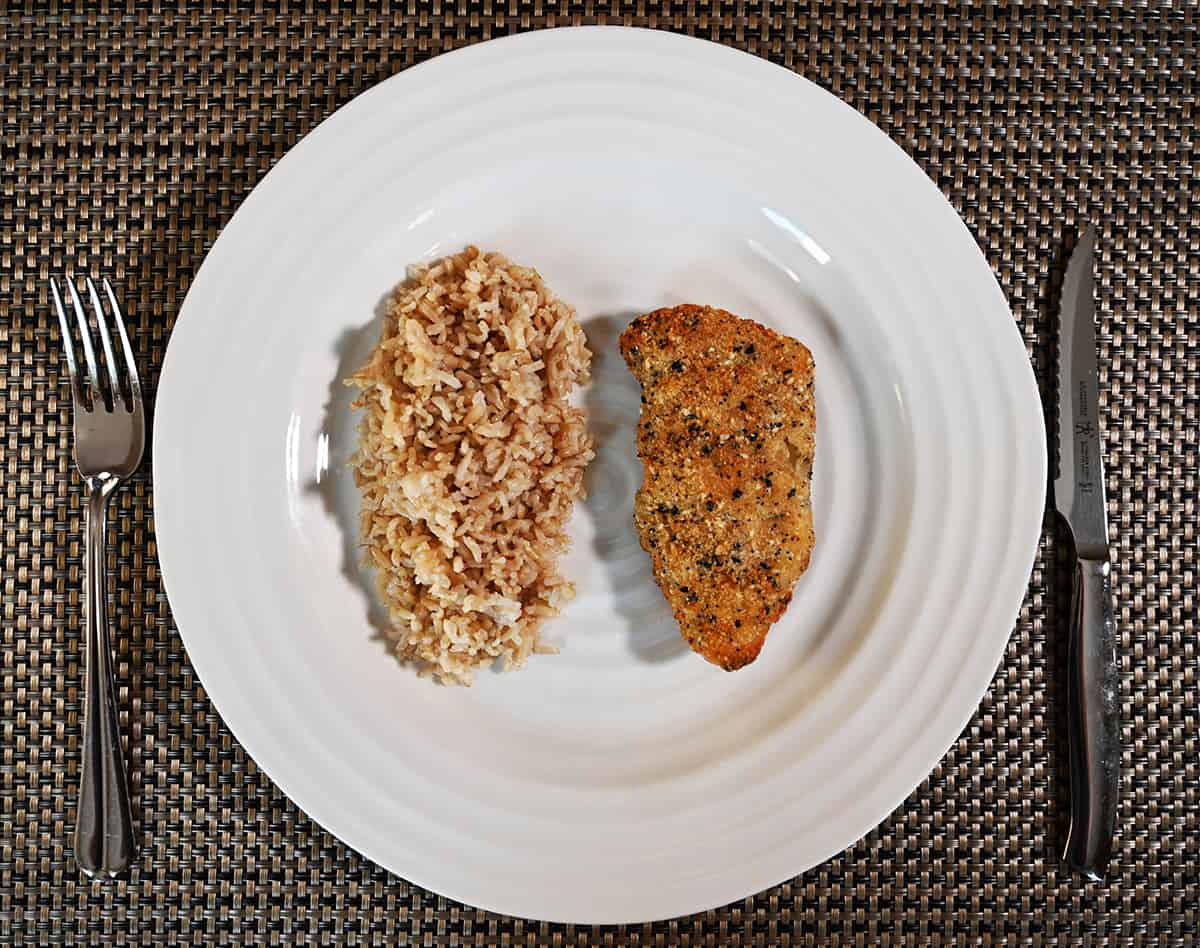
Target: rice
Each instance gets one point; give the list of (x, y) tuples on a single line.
[(470, 459)]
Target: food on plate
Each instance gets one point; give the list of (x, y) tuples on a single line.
[(726, 438), (470, 458)]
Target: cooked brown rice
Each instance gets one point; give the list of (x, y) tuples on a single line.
[(469, 460)]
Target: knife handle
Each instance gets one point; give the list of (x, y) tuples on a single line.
[(1093, 723)]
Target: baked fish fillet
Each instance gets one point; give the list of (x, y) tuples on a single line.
[(726, 438)]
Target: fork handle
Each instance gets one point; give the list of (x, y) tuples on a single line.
[(104, 840)]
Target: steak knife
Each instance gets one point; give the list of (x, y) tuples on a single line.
[(1093, 683)]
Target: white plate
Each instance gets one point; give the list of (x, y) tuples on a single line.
[(624, 779)]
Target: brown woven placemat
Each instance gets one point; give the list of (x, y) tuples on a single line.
[(131, 131)]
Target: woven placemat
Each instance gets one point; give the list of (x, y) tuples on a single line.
[(131, 131)]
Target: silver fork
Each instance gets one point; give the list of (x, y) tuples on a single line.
[(110, 431)]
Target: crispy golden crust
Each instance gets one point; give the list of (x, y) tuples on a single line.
[(726, 441)]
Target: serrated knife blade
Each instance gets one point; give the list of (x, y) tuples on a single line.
[(1079, 486)]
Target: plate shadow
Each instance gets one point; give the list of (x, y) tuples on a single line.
[(613, 403), (335, 485)]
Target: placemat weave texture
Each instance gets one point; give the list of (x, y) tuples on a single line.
[(131, 132)]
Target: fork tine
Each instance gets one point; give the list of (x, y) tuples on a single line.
[(64, 329), (106, 342), (135, 386), (89, 353)]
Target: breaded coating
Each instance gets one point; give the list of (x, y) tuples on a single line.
[(726, 438)]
